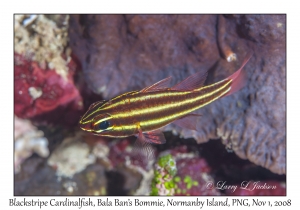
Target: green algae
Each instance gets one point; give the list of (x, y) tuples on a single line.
[(169, 181), (168, 163)]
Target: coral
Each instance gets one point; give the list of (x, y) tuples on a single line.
[(71, 157), (121, 151), (163, 182), (38, 178), (115, 171), (126, 172), (181, 173), (135, 51), (263, 29), (101, 151), (155, 42), (44, 70), (43, 95), (128, 163), (44, 39), (28, 140)]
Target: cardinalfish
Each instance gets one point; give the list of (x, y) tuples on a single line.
[(143, 113)]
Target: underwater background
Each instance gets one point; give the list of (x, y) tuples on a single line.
[(64, 63)]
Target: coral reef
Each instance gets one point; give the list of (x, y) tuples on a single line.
[(181, 173), (83, 164), (89, 165), (130, 48), (128, 164), (157, 46), (72, 156), (44, 70), (44, 39), (164, 180), (38, 178), (28, 140), (43, 95), (113, 54)]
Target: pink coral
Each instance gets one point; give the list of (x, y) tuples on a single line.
[(43, 95)]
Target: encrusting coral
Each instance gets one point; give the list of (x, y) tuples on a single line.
[(44, 70), (71, 157), (28, 140), (178, 172), (135, 51)]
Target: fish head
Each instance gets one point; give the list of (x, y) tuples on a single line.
[(97, 120)]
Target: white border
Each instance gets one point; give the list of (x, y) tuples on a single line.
[(153, 6)]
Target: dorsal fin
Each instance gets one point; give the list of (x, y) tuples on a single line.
[(159, 85), (194, 81), (93, 105)]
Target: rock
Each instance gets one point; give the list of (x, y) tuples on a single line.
[(28, 140), (123, 53), (71, 157)]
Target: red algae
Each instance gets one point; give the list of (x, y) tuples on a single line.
[(43, 95)]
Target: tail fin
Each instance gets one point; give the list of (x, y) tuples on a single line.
[(238, 78)]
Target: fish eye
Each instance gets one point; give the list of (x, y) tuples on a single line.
[(103, 125)]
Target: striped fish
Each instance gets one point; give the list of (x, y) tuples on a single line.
[(143, 113)]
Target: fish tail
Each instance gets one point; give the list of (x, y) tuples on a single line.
[(238, 78)]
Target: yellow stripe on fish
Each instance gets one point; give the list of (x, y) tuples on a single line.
[(143, 113)]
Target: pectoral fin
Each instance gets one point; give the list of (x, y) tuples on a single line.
[(142, 146), (189, 121), (143, 150), (156, 137)]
